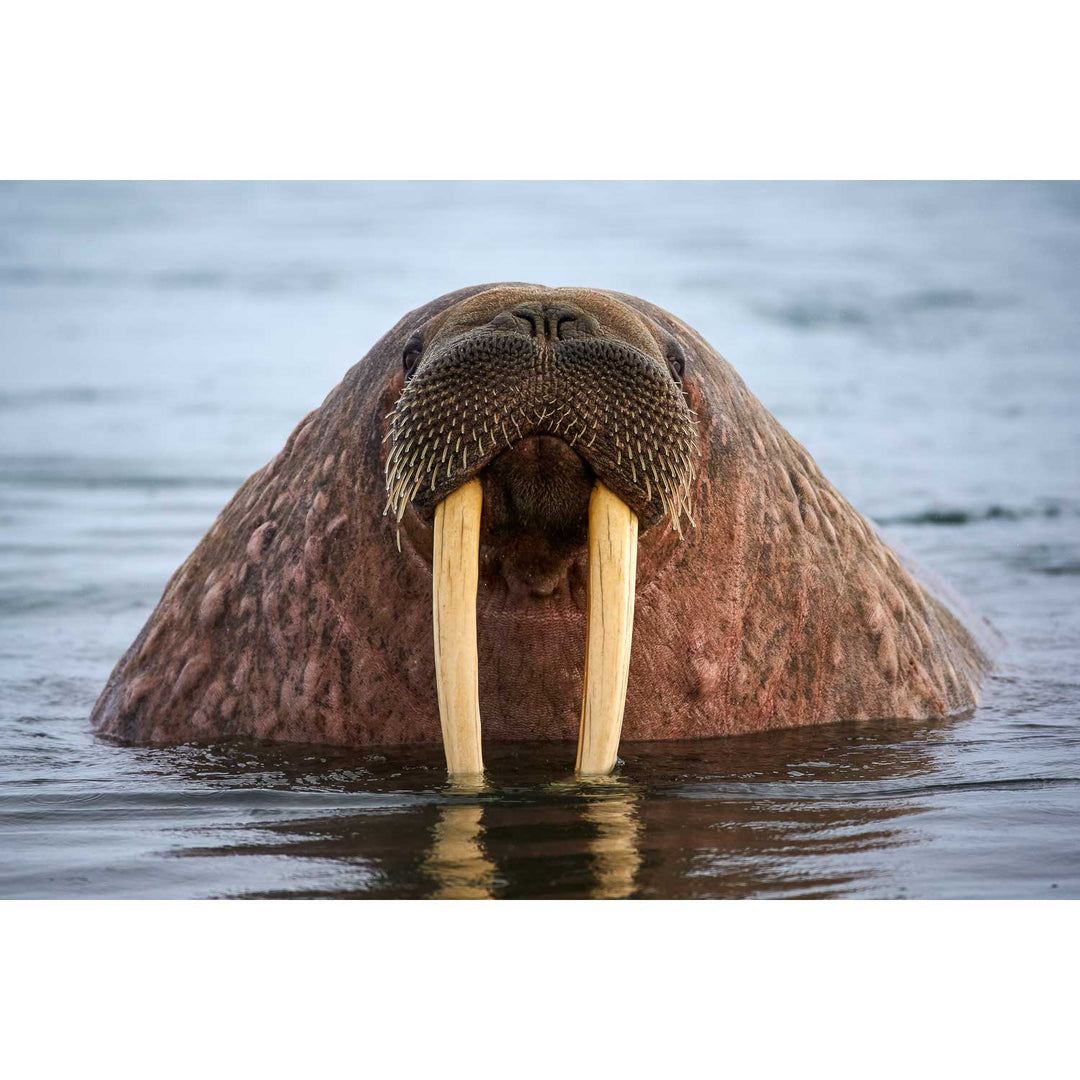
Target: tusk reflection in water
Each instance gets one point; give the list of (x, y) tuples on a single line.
[(615, 848), (456, 859)]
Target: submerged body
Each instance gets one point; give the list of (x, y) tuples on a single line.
[(305, 614)]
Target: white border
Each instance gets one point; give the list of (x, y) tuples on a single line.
[(226, 89), (859, 988)]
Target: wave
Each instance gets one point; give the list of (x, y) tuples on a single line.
[(951, 515)]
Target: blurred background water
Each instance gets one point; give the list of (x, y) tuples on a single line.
[(158, 342)]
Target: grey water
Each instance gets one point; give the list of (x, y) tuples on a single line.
[(158, 342)]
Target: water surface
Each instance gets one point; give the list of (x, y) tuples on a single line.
[(159, 342)]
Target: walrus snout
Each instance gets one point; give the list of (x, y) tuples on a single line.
[(474, 396)]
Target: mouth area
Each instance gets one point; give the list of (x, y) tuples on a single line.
[(535, 524), (533, 533), (541, 483)]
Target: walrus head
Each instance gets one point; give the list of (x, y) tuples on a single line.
[(559, 418)]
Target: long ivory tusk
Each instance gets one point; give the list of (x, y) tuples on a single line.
[(453, 600), (613, 536)]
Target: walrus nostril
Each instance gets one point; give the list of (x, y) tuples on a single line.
[(557, 322)]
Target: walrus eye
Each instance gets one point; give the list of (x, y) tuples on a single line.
[(410, 356), (676, 359)]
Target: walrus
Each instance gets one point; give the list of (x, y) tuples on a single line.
[(514, 486)]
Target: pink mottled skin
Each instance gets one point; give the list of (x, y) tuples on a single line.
[(297, 618)]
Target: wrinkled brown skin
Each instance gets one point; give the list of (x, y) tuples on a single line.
[(297, 619)]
